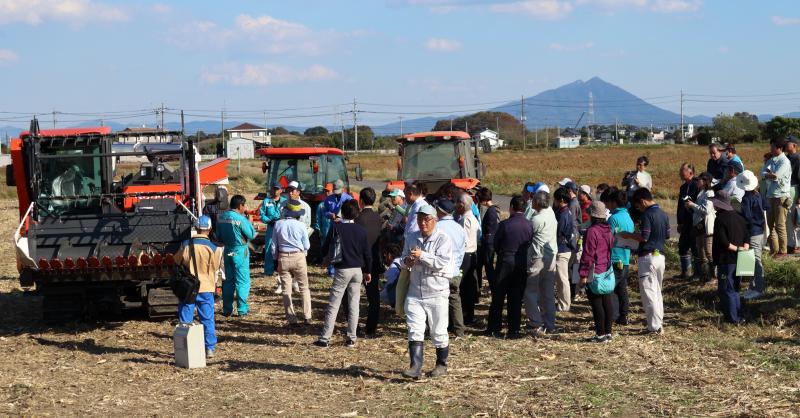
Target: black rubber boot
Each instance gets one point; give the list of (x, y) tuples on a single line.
[(697, 269), (441, 362), (415, 351), (711, 274)]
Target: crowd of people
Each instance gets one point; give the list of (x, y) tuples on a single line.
[(427, 253)]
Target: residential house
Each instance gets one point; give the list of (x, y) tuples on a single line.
[(569, 138), (143, 135), (249, 131), (489, 140)]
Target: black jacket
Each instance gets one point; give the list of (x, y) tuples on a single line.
[(684, 216), (356, 252), (372, 222), (491, 220), (729, 228)]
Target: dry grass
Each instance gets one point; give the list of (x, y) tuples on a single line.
[(507, 171)]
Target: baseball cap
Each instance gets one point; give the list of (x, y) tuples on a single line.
[(572, 186), (445, 205), (426, 210), (329, 187), (586, 189), (277, 185), (793, 139), (204, 222), (565, 181), (397, 192), (293, 185), (544, 188)]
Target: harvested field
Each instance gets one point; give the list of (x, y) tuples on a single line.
[(125, 366)]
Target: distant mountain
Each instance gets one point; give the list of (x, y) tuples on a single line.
[(765, 117), (564, 105)]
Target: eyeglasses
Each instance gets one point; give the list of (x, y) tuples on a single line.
[(426, 219)]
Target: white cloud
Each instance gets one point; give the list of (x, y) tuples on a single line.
[(443, 45), (555, 46), (541, 9), (264, 34), (34, 12), (676, 6), (264, 74), (784, 21), (161, 8), (8, 56)]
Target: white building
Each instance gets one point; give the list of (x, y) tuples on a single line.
[(489, 140), (568, 138), (657, 136), (241, 149), (252, 132)]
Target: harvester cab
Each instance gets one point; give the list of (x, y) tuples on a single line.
[(436, 158), (91, 241)]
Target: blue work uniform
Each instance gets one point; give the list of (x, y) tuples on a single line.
[(269, 213), (322, 223), (235, 230)]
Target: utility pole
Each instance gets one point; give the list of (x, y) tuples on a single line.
[(522, 121), (265, 122), (54, 119), (682, 115), (341, 121), (451, 124), (222, 130), (536, 137), (401, 126), (162, 116), (616, 130), (355, 126)]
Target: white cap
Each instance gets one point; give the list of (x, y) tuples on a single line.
[(586, 189), (294, 184), (543, 188), (564, 181)]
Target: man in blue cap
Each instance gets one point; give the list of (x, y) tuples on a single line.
[(235, 230), (270, 213), (205, 266)]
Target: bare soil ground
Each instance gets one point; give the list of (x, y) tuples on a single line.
[(124, 365)]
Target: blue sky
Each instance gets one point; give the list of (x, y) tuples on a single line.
[(90, 56)]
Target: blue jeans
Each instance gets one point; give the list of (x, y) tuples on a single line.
[(205, 310), (728, 289)]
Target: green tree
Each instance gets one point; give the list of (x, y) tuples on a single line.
[(508, 126), (703, 135), (640, 136), (739, 127), (780, 127), (316, 131), (280, 130)]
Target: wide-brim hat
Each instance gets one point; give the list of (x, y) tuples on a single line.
[(597, 210), (747, 181), (293, 209), (722, 200)]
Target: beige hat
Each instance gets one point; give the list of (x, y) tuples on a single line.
[(597, 210), (747, 181)]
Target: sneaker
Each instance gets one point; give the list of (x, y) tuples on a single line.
[(209, 353), (597, 338), (279, 289), (321, 344), (655, 332), (349, 343), (607, 338), (296, 287), (751, 294)]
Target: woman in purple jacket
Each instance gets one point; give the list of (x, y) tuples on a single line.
[(595, 269)]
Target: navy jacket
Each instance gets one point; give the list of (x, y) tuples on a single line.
[(514, 236), (356, 252), (565, 233)]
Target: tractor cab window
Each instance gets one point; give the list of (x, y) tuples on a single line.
[(336, 168), (302, 171), (430, 160), (70, 184)]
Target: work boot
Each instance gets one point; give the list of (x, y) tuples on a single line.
[(441, 362), (697, 269), (415, 351)]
